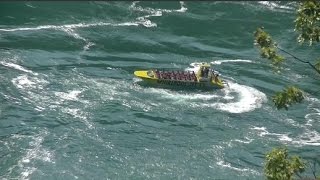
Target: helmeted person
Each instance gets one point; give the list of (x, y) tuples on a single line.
[(206, 72)]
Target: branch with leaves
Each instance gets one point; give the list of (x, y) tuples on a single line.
[(307, 23), (279, 166), (288, 97), (267, 46)]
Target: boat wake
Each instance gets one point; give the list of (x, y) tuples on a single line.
[(235, 98)]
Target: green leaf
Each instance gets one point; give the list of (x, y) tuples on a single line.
[(307, 22), (267, 47), (287, 97), (317, 65), (279, 166)]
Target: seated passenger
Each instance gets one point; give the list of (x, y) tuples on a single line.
[(206, 72), (157, 74)]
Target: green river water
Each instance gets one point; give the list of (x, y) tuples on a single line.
[(71, 107)]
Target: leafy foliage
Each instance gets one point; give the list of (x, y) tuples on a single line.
[(317, 65), (307, 22), (279, 166), (267, 46), (288, 97)]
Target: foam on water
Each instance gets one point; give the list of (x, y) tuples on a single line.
[(229, 166), (72, 95), (219, 153), (44, 100), (240, 98), (34, 152), (143, 20), (17, 67), (70, 28), (274, 5), (314, 107), (64, 102), (246, 141), (248, 100), (308, 137), (218, 62), (25, 81)]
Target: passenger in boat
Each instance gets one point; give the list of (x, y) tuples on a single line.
[(164, 75), (157, 74), (194, 77), (172, 75), (201, 72), (183, 76), (216, 77), (179, 75), (206, 72), (188, 76), (160, 75)]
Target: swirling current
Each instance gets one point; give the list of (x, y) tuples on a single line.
[(71, 107)]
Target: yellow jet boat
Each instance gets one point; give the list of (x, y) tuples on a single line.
[(204, 77)]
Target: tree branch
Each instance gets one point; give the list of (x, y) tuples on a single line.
[(307, 62)]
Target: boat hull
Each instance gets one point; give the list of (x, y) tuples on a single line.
[(152, 79)]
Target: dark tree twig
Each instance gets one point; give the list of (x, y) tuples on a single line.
[(307, 62)]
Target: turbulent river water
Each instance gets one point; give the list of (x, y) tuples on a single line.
[(72, 109)]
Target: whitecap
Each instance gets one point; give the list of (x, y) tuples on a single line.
[(35, 152), (71, 95), (24, 81), (218, 62), (228, 165), (143, 20), (183, 8), (243, 98), (246, 141), (273, 5), (248, 100), (308, 137), (17, 67)]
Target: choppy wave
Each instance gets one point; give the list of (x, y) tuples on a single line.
[(17, 67), (314, 116), (275, 5), (230, 60), (34, 152), (308, 137), (153, 13), (70, 28), (33, 92), (24, 81), (240, 98), (228, 165), (98, 114), (248, 100), (219, 154)]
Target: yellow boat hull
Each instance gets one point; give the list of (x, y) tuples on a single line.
[(150, 77)]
